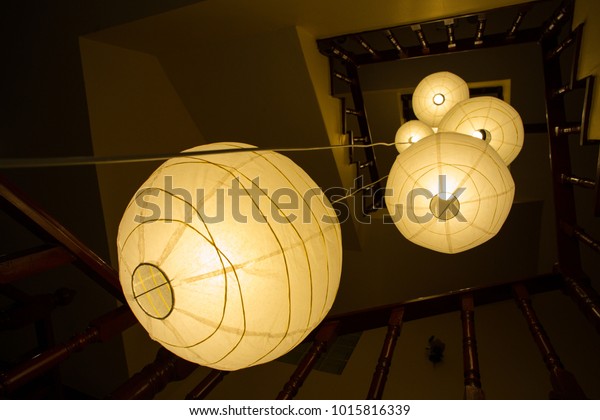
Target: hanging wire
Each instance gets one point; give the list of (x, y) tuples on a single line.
[(101, 160), (105, 160), (364, 187)]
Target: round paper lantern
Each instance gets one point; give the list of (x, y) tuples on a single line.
[(411, 132), (449, 192), (436, 94), (229, 260), (489, 119)]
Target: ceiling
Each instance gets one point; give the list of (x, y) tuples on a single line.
[(207, 72)]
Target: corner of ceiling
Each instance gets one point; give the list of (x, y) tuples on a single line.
[(133, 109)]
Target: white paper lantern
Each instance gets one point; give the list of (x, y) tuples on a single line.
[(411, 132), (490, 119), (449, 192), (436, 94), (229, 260)]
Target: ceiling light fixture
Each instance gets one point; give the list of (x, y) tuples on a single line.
[(229, 260), (436, 94), (449, 192), (490, 119), (411, 132)]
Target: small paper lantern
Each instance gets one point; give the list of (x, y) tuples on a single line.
[(411, 132), (229, 260), (449, 192), (436, 94), (489, 119)]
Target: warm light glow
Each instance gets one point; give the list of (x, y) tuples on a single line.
[(436, 94), (478, 134), (438, 99), (499, 121), (449, 192), (411, 132), (229, 260)]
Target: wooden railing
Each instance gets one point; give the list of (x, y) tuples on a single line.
[(69, 248), (563, 383)]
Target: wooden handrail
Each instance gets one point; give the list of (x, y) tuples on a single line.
[(31, 215), (560, 162), (32, 261), (396, 52), (101, 329), (377, 317)]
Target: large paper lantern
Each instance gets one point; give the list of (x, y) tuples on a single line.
[(489, 119), (449, 192), (411, 132), (229, 260), (436, 94)]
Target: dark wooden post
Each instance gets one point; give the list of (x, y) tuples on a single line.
[(564, 384), (324, 337), (154, 377), (385, 358), (586, 298), (209, 383), (472, 376)]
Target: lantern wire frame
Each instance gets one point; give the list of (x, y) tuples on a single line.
[(217, 279), (490, 119), (437, 94), (411, 132), (468, 178)]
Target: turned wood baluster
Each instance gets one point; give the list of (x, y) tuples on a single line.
[(101, 330), (209, 383), (472, 376), (516, 23), (385, 358), (586, 297), (394, 41), (154, 377), (418, 30), (324, 337), (564, 384), (559, 18)]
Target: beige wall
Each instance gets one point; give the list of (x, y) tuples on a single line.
[(588, 13)]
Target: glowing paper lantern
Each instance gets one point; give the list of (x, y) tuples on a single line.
[(489, 119), (436, 94), (229, 260), (411, 132), (449, 192)]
